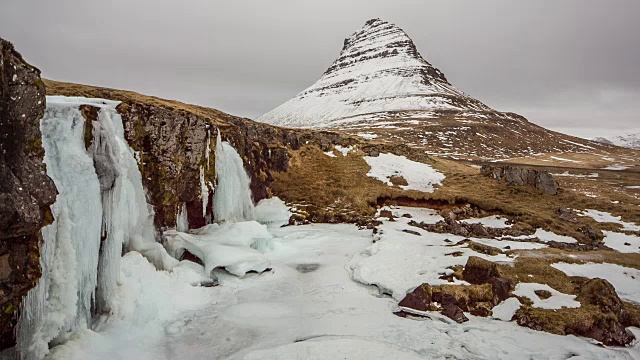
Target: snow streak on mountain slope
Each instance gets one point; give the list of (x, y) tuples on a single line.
[(630, 140), (378, 70)]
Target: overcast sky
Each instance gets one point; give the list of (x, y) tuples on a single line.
[(571, 65)]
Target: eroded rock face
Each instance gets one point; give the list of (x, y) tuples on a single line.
[(514, 175), (172, 146), (25, 190)]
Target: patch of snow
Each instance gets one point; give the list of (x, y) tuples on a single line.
[(425, 215), (330, 154), (506, 309), (367, 136), (625, 280), (622, 242), (616, 167), (493, 221), (419, 176), (557, 300), (563, 159), (344, 150), (546, 236), (605, 217)]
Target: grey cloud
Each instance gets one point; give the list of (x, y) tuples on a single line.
[(566, 65)]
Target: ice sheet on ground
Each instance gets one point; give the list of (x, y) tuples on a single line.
[(493, 221), (546, 236), (603, 216), (230, 245), (335, 347), (625, 280), (557, 300), (506, 309), (419, 176)]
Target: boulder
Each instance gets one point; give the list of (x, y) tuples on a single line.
[(479, 271), (419, 299), (515, 175)]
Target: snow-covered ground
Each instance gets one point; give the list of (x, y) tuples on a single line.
[(316, 303), (307, 307)]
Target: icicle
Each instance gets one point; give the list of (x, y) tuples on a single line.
[(182, 220), (232, 197), (207, 150), (204, 192)]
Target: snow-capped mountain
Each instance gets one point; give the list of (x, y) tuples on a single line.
[(630, 140), (379, 70), (381, 88)]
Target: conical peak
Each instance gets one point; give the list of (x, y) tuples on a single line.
[(379, 71), (378, 33), (383, 43)]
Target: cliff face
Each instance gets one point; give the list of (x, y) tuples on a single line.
[(25, 190), (176, 152), (175, 144)]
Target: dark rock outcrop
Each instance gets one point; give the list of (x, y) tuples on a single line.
[(25, 190), (515, 175), (487, 291), (479, 271), (602, 316)]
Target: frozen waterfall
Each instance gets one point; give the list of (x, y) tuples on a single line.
[(101, 204), (236, 242), (232, 197)]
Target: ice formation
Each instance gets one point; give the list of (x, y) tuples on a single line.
[(100, 198), (182, 221), (231, 200), (229, 245), (235, 242)]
